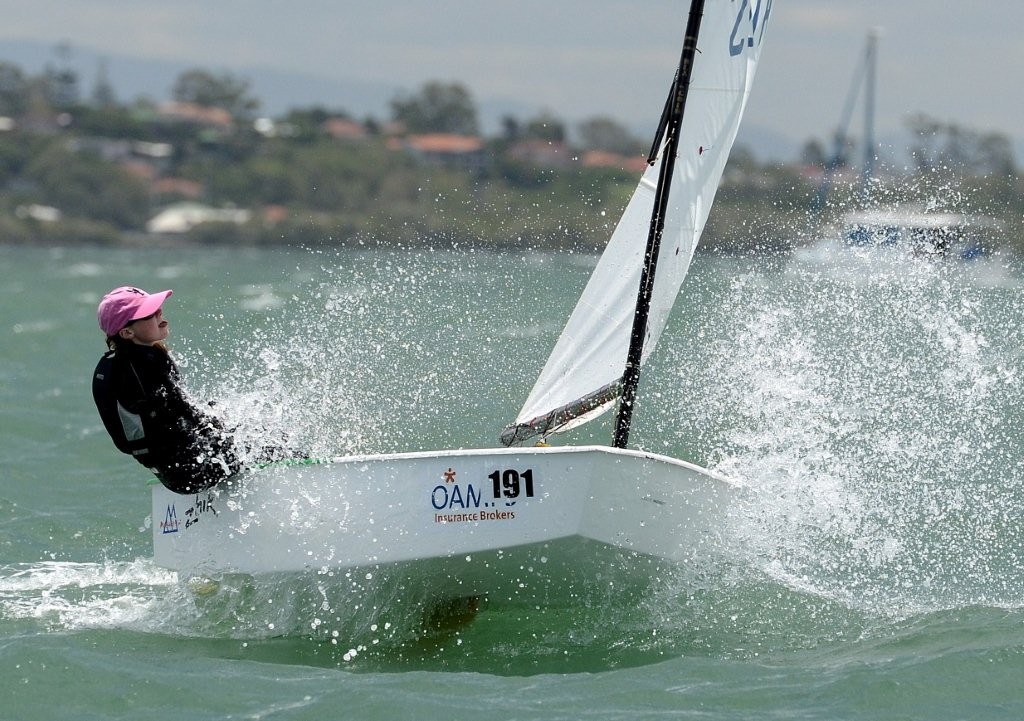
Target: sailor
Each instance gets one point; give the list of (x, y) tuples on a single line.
[(138, 392)]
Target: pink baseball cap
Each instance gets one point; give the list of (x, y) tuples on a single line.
[(122, 305)]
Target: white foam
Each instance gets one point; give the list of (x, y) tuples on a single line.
[(72, 596)]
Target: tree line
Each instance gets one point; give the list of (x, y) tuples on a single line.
[(78, 153)]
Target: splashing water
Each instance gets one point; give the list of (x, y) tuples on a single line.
[(366, 355), (292, 380), (876, 415)]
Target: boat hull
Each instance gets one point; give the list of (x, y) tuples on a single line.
[(498, 522)]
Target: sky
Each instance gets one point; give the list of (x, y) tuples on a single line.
[(959, 62)]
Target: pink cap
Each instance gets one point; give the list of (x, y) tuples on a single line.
[(122, 305)]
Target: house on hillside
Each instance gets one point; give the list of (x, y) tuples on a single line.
[(544, 154), (448, 150), (344, 129), (196, 114), (170, 187), (604, 159), (182, 217), (208, 123), (38, 213)]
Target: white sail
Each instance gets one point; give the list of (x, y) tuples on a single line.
[(582, 377)]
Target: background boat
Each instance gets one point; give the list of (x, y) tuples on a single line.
[(921, 233), (877, 219)]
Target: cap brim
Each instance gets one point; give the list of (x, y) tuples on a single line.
[(151, 304)]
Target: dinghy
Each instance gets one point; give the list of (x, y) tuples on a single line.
[(539, 520)]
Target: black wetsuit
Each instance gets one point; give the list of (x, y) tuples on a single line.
[(144, 409)]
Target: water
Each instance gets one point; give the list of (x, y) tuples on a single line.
[(872, 403)]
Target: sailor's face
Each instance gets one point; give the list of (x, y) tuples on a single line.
[(148, 330)]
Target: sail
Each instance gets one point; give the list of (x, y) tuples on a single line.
[(583, 375)]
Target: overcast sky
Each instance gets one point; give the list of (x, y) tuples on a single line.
[(956, 61)]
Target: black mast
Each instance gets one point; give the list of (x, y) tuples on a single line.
[(672, 121)]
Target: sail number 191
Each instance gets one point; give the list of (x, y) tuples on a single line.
[(511, 483)]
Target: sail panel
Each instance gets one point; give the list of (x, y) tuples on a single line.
[(590, 355)]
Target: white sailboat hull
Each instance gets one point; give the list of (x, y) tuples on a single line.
[(471, 522)]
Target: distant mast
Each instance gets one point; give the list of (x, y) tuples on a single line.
[(870, 68), (865, 75), (672, 121)]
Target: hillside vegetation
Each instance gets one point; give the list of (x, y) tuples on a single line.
[(97, 170)]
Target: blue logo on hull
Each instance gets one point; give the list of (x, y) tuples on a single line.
[(170, 522)]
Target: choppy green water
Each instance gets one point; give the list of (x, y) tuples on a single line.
[(873, 403)]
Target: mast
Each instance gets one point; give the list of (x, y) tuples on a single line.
[(864, 76), (870, 63), (673, 122)]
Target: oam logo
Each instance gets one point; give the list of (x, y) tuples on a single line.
[(170, 522), (507, 485)]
